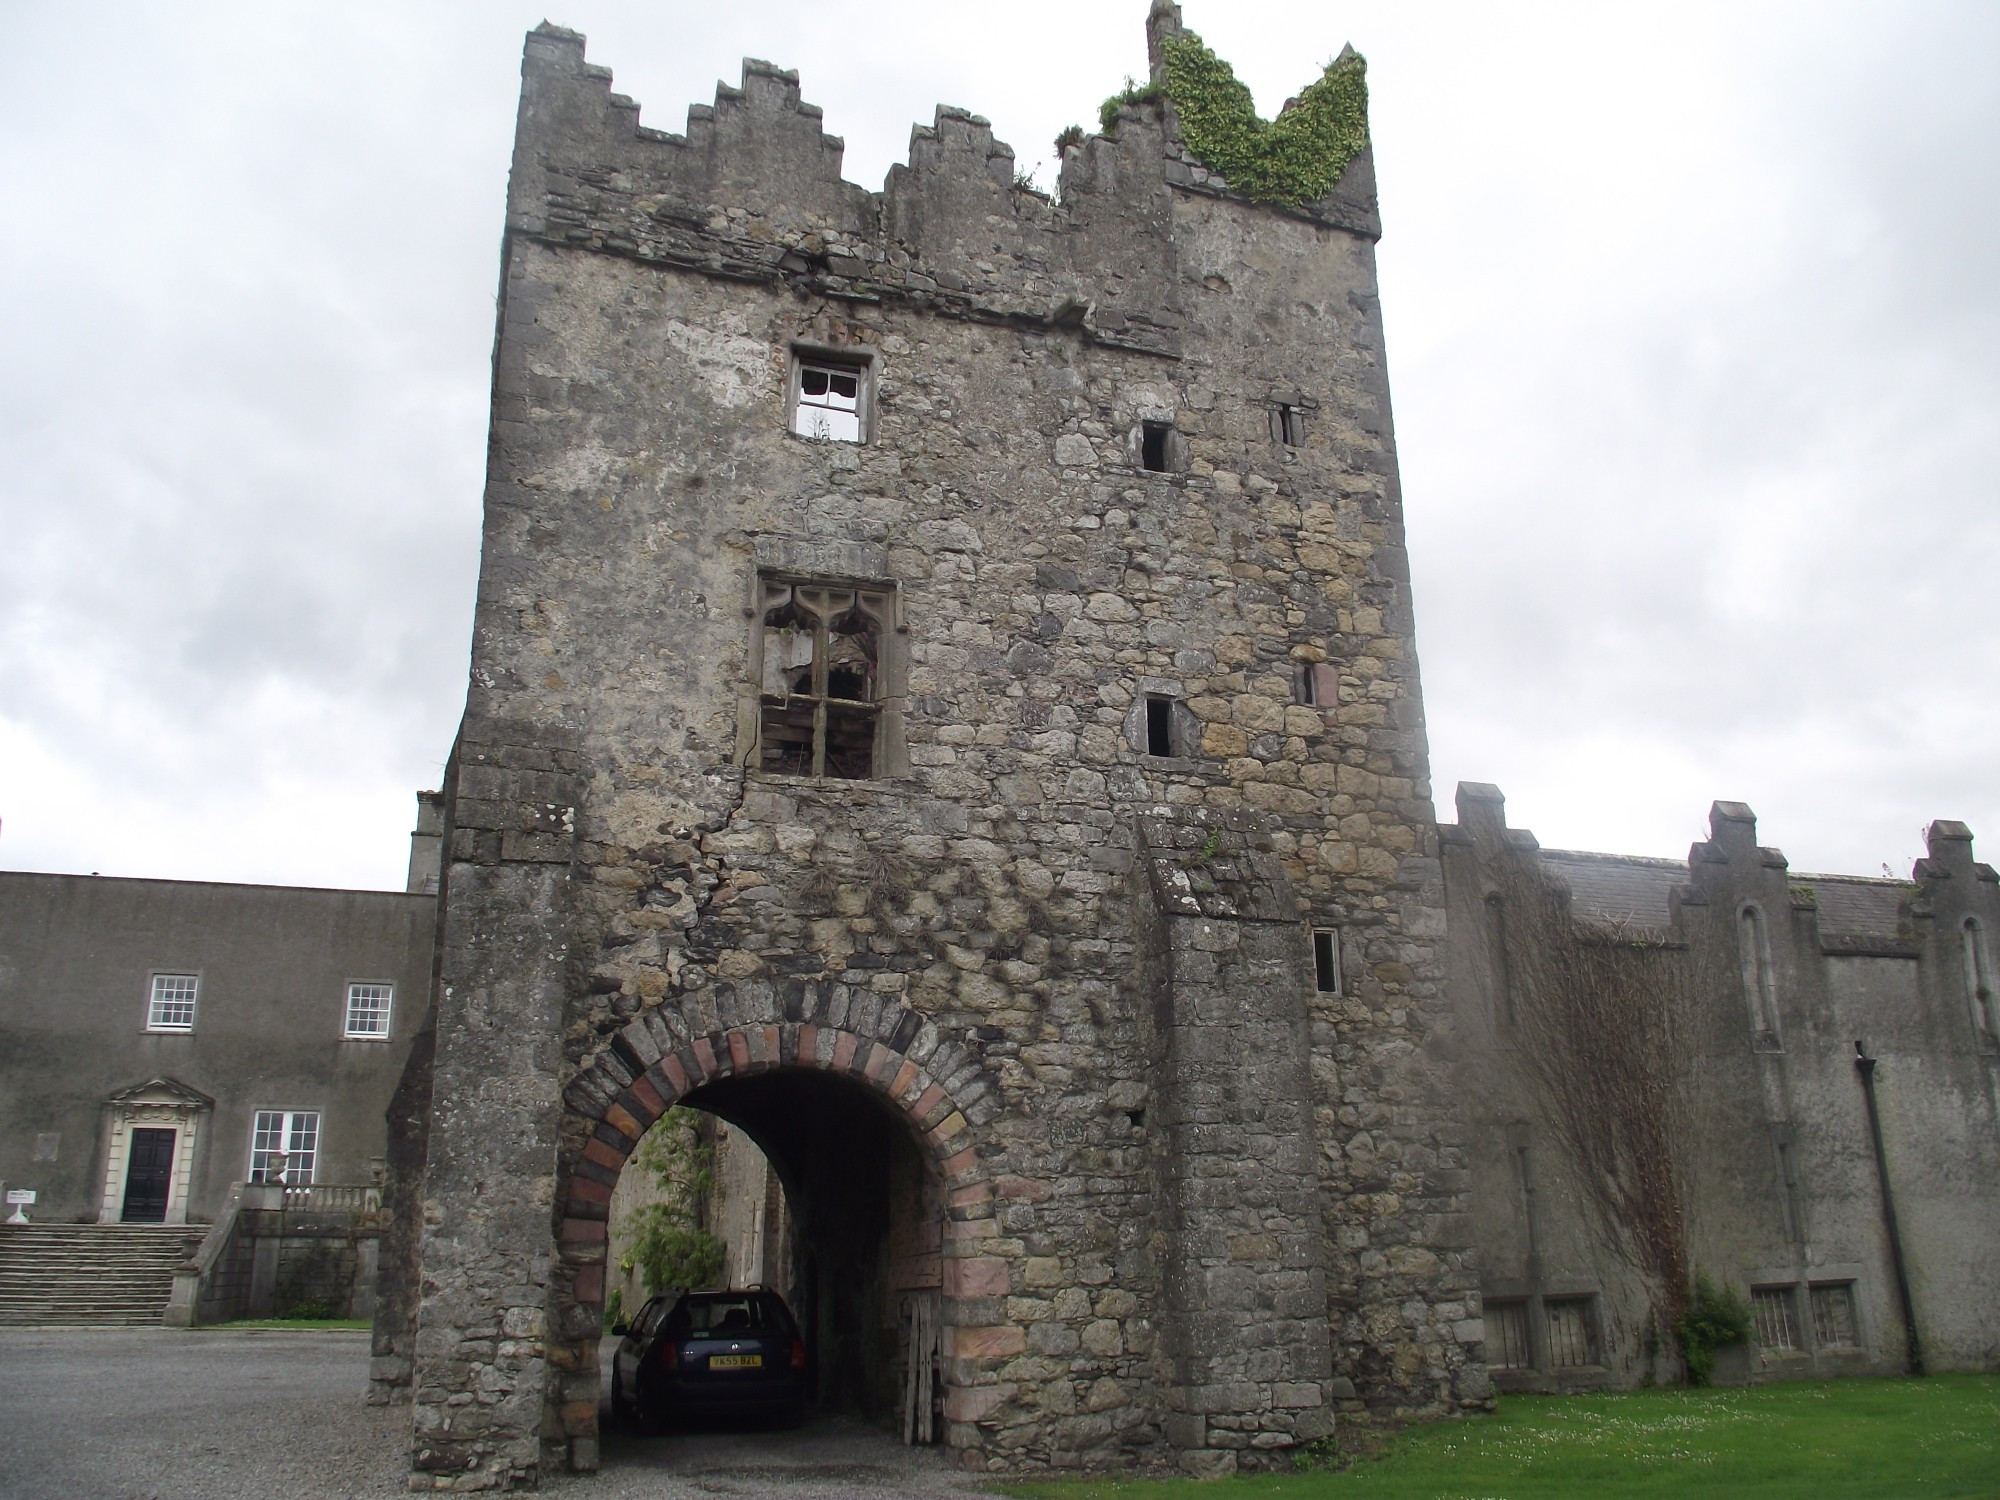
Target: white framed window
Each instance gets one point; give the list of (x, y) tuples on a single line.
[(284, 1146), (829, 398), (368, 1007), (171, 1007)]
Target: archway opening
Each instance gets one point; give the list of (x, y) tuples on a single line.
[(848, 1230)]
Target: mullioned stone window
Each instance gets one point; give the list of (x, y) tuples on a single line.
[(824, 666)]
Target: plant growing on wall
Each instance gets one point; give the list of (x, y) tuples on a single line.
[(1606, 1023), (670, 1248), (1292, 160), (1715, 1318)]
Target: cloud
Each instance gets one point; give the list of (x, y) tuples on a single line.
[(1695, 350)]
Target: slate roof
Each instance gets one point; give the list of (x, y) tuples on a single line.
[(1626, 888), (1855, 904), (1634, 889)]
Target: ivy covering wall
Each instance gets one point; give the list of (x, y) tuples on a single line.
[(1292, 160)]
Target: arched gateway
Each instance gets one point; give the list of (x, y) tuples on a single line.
[(954, 648), (657, 1063)]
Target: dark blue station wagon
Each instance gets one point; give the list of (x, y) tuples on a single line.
[(709, 1353)]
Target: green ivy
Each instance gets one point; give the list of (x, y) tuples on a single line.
[(669, 1246), (1292, 160), (1716, 1316)]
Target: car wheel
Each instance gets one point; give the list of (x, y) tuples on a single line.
[(644, 1415)]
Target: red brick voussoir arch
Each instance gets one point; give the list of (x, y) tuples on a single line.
[(938, 1086)]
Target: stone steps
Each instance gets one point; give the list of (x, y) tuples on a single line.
[(90, 1273)]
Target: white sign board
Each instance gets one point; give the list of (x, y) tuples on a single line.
[(20, 1195)]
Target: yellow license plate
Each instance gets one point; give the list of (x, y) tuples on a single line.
[(735, 1361)]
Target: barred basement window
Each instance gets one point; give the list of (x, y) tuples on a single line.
[(172, 1004), (368, 1008), (1774, 1309), (284, 1146), (1572, 1324), (1833, 1315), (820, 681), (829, 398), (1507, 1346)]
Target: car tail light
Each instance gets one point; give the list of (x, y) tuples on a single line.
[(798, 1354), (669, 1355)]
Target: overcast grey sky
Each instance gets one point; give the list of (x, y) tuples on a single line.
[(1694, 334)]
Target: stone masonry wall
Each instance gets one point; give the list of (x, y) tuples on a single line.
[(979, 916)]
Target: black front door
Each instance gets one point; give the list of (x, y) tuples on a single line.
[(148, 1172)]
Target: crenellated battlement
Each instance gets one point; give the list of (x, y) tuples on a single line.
[(753, 190), (1850, 915)]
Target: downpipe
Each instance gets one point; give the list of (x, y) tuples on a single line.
[(1865, 1065)]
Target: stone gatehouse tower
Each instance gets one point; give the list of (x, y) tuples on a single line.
[(942, 699)]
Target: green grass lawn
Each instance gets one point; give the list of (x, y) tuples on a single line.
[(1829, 1440)]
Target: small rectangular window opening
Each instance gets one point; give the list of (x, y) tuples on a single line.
[(1290, 425), (1326, 960), (1306, 686), (1159, 726), (1153, 446)]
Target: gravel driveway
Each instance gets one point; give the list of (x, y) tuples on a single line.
[(161, 1414)]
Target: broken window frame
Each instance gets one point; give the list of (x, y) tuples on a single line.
[(799, 697), (820, 417)]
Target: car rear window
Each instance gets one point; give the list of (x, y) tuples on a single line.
[(727, 1315)]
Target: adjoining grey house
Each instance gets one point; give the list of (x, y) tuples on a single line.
[(162, 1040), (1838, 1151)]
